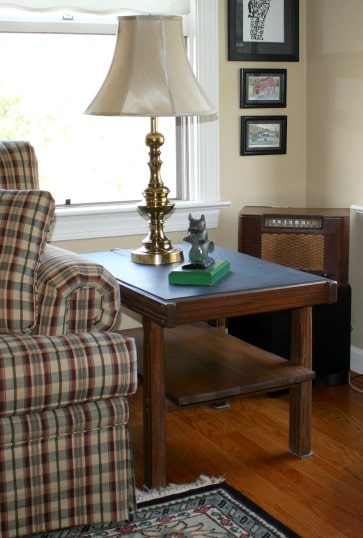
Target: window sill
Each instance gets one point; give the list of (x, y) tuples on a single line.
[(357, 208), (113, 220)]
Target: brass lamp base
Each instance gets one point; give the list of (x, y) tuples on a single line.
[(142, 255), (156, 249)]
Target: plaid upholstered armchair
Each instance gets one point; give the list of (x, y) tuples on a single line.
[(65, 455)]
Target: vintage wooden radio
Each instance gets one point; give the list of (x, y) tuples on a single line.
[(312, 240)]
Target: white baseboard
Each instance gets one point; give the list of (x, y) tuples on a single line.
[(356, 359)]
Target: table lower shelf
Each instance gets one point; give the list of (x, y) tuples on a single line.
[(203, 364)]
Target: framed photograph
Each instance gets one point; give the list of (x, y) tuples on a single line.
[(263, 30), (263, 88), (263, 135)]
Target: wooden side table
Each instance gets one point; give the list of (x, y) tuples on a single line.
[(252, 286)]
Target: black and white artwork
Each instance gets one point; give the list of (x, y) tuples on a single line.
[(263, 20), (266, 30)]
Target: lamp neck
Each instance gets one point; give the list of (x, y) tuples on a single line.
[(154, 124), (154, 141)]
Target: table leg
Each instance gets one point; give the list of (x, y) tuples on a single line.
[(154, 405), (301, 393), (221, 324)]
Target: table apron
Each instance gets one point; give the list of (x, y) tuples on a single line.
[(208, 307)]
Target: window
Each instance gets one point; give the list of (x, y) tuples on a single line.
[(197, 183), (46, 82)]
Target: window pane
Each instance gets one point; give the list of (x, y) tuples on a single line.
[(46, 83)]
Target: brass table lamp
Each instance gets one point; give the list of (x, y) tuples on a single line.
[(150, 75)]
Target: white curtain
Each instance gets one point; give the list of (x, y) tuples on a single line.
[(102, 6)]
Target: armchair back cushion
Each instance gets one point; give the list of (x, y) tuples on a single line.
[(25, 220), (18, 165)]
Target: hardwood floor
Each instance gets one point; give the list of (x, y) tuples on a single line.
[(247, 443)]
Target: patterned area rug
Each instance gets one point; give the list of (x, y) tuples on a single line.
[(204, 511)]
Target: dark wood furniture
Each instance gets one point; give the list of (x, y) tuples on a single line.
[(310, 239), (252, 286)]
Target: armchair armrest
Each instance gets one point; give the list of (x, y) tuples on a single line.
[(48, 372), (74, 294)]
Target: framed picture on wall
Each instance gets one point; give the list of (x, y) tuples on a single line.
[(263, 88), (263, 135), (263, 30)]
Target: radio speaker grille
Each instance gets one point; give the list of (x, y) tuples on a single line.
[(299, 251)]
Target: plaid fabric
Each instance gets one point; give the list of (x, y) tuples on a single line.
[(74, 468), (42, 372), (75, 295), (65, 455), (18, 166), (66, 304), (25, 219)]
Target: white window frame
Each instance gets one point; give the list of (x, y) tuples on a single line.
[(202, 193)]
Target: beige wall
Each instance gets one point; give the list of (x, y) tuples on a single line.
[(335, 124), (324, 161), (265, 179), (335, 109)]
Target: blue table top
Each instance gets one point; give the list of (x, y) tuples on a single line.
[(247, 273)]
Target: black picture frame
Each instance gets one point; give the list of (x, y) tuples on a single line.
[(263, 135), (254, 38), (263, 88)]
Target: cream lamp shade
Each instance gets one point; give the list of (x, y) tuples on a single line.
[(150, 74)]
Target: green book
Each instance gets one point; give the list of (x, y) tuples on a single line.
[(200, 277)]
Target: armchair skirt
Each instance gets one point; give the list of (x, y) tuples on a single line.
[(65, 455)]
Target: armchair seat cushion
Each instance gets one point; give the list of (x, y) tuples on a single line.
[(40, 372), (25, 220)]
